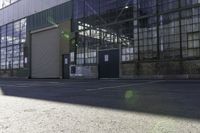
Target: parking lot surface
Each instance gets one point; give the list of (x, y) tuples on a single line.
[(99, 106)]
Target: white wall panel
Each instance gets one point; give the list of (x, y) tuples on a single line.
[(25, 8)]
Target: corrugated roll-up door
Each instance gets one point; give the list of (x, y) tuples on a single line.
[(45, 54)]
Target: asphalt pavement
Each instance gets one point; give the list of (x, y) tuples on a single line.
[(99, 106)]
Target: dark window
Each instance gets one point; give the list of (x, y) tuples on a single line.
[(141, 29)]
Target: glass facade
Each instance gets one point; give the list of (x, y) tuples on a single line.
[(5, 3), (141, 29), (12, 39)]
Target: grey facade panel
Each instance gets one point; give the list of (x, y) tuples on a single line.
[(45, 54), (49, 17)]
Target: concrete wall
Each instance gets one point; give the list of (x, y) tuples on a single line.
[(14, 73), (88, 72), (162, 70), (24, 8)]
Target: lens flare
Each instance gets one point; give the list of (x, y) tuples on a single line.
[(66, 34), (51, 21), (131, 98), (129, 94)]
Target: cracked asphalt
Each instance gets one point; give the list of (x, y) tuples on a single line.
[(99, 106)]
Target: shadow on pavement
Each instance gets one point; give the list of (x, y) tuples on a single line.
[(170, 98)]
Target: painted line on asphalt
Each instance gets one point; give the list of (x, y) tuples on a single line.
[(127, 85)]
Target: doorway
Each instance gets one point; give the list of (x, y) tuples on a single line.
[(66, 61), (109, 64)]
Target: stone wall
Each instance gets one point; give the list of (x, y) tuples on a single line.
[(189, 69), (20, 73)]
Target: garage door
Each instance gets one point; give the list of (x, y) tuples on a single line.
[(45, 54)]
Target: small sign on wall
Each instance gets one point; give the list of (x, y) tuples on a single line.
[(73, 70), (72, 56), (25, 60), (106, 58), (66, 61)]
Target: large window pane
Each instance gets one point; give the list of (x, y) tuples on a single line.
[(148, 38), (16, 35), (169, 35), (9, 34), (13, 37), (3, 36), (167, 5), (3, 58), (9, 60), (23, 30), (185, 3), (190, 27)]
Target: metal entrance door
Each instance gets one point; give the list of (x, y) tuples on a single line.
[(66, 61), (109, 64), (45, 54)]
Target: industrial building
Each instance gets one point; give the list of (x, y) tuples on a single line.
[(127, 39)]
